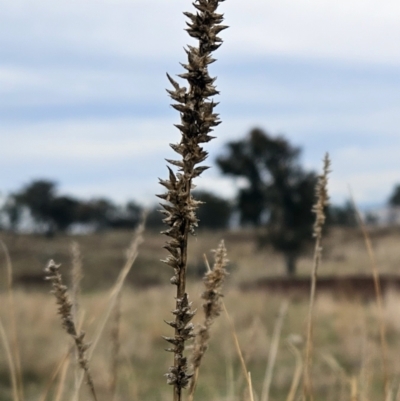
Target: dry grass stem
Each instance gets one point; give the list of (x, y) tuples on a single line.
[(297, 372), (213, 281), (65, 312), (239, 351), (62, 380), (197, 122), (131, 256), (273, 351), (251, 393), (14, 331), (76, 278), (319, 210), (10, 361), (354, 388), (115, 346), (56, 371), (378, 294)]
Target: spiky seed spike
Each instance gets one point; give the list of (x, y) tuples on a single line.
[(196, 122)]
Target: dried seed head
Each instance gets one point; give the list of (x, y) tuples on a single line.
[(197, 121), (322, 198), (65, 311), (213, 281)]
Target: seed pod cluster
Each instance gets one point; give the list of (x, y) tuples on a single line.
[(197, 122)]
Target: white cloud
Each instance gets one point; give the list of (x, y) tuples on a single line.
[(357, 30), (84, 140), (123, 158)]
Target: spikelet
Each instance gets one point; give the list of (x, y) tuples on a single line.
[(60, 291), (321, 193), (212, 307)]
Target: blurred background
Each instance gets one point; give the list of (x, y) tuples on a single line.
[(83, 101), (85, 124)]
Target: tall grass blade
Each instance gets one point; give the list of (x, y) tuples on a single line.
[(319, 210), (246, 373), (11, 364), (14, 331), (273, 351), (378, 295)]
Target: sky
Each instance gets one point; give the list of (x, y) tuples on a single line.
[(83, 100)]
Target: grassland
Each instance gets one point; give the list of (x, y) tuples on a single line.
[(346, 334)]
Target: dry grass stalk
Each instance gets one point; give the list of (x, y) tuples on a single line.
[(10, 361), (14, 331), (273, 351), (297, 372), (56, 371), (65, 312), (378, 294), (197, 121), (76, 278), (246, 373), (131, 255), (213, 280), (319, 210), (62, 380), (115, 346), (354, 388)]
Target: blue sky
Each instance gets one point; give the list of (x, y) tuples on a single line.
[(83, 101)]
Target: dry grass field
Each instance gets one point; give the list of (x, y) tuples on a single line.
[(263, 347), (347, 356), (104, 253)]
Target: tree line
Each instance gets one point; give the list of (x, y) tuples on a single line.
[(276, 196), (50, 213)]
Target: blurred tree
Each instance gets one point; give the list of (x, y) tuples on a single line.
[(50, 212), (278, 192), (97, 211), (13, 212), (63, 212), (343, 216), (103, 213), (38, 197), (214, 213), (127, 216), (394, 199), (154, 219)]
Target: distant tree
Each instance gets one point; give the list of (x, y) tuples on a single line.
[(52, 212), (63, 212), (127, 216), (371, 219), (215, 212), (97, 211), (49, 211), (394, 199), (38, 197), (154, 219), (278, 192), (13, 212), (342, 216)]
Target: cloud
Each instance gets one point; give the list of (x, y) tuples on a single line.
[(356, 31), (84, 140)]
